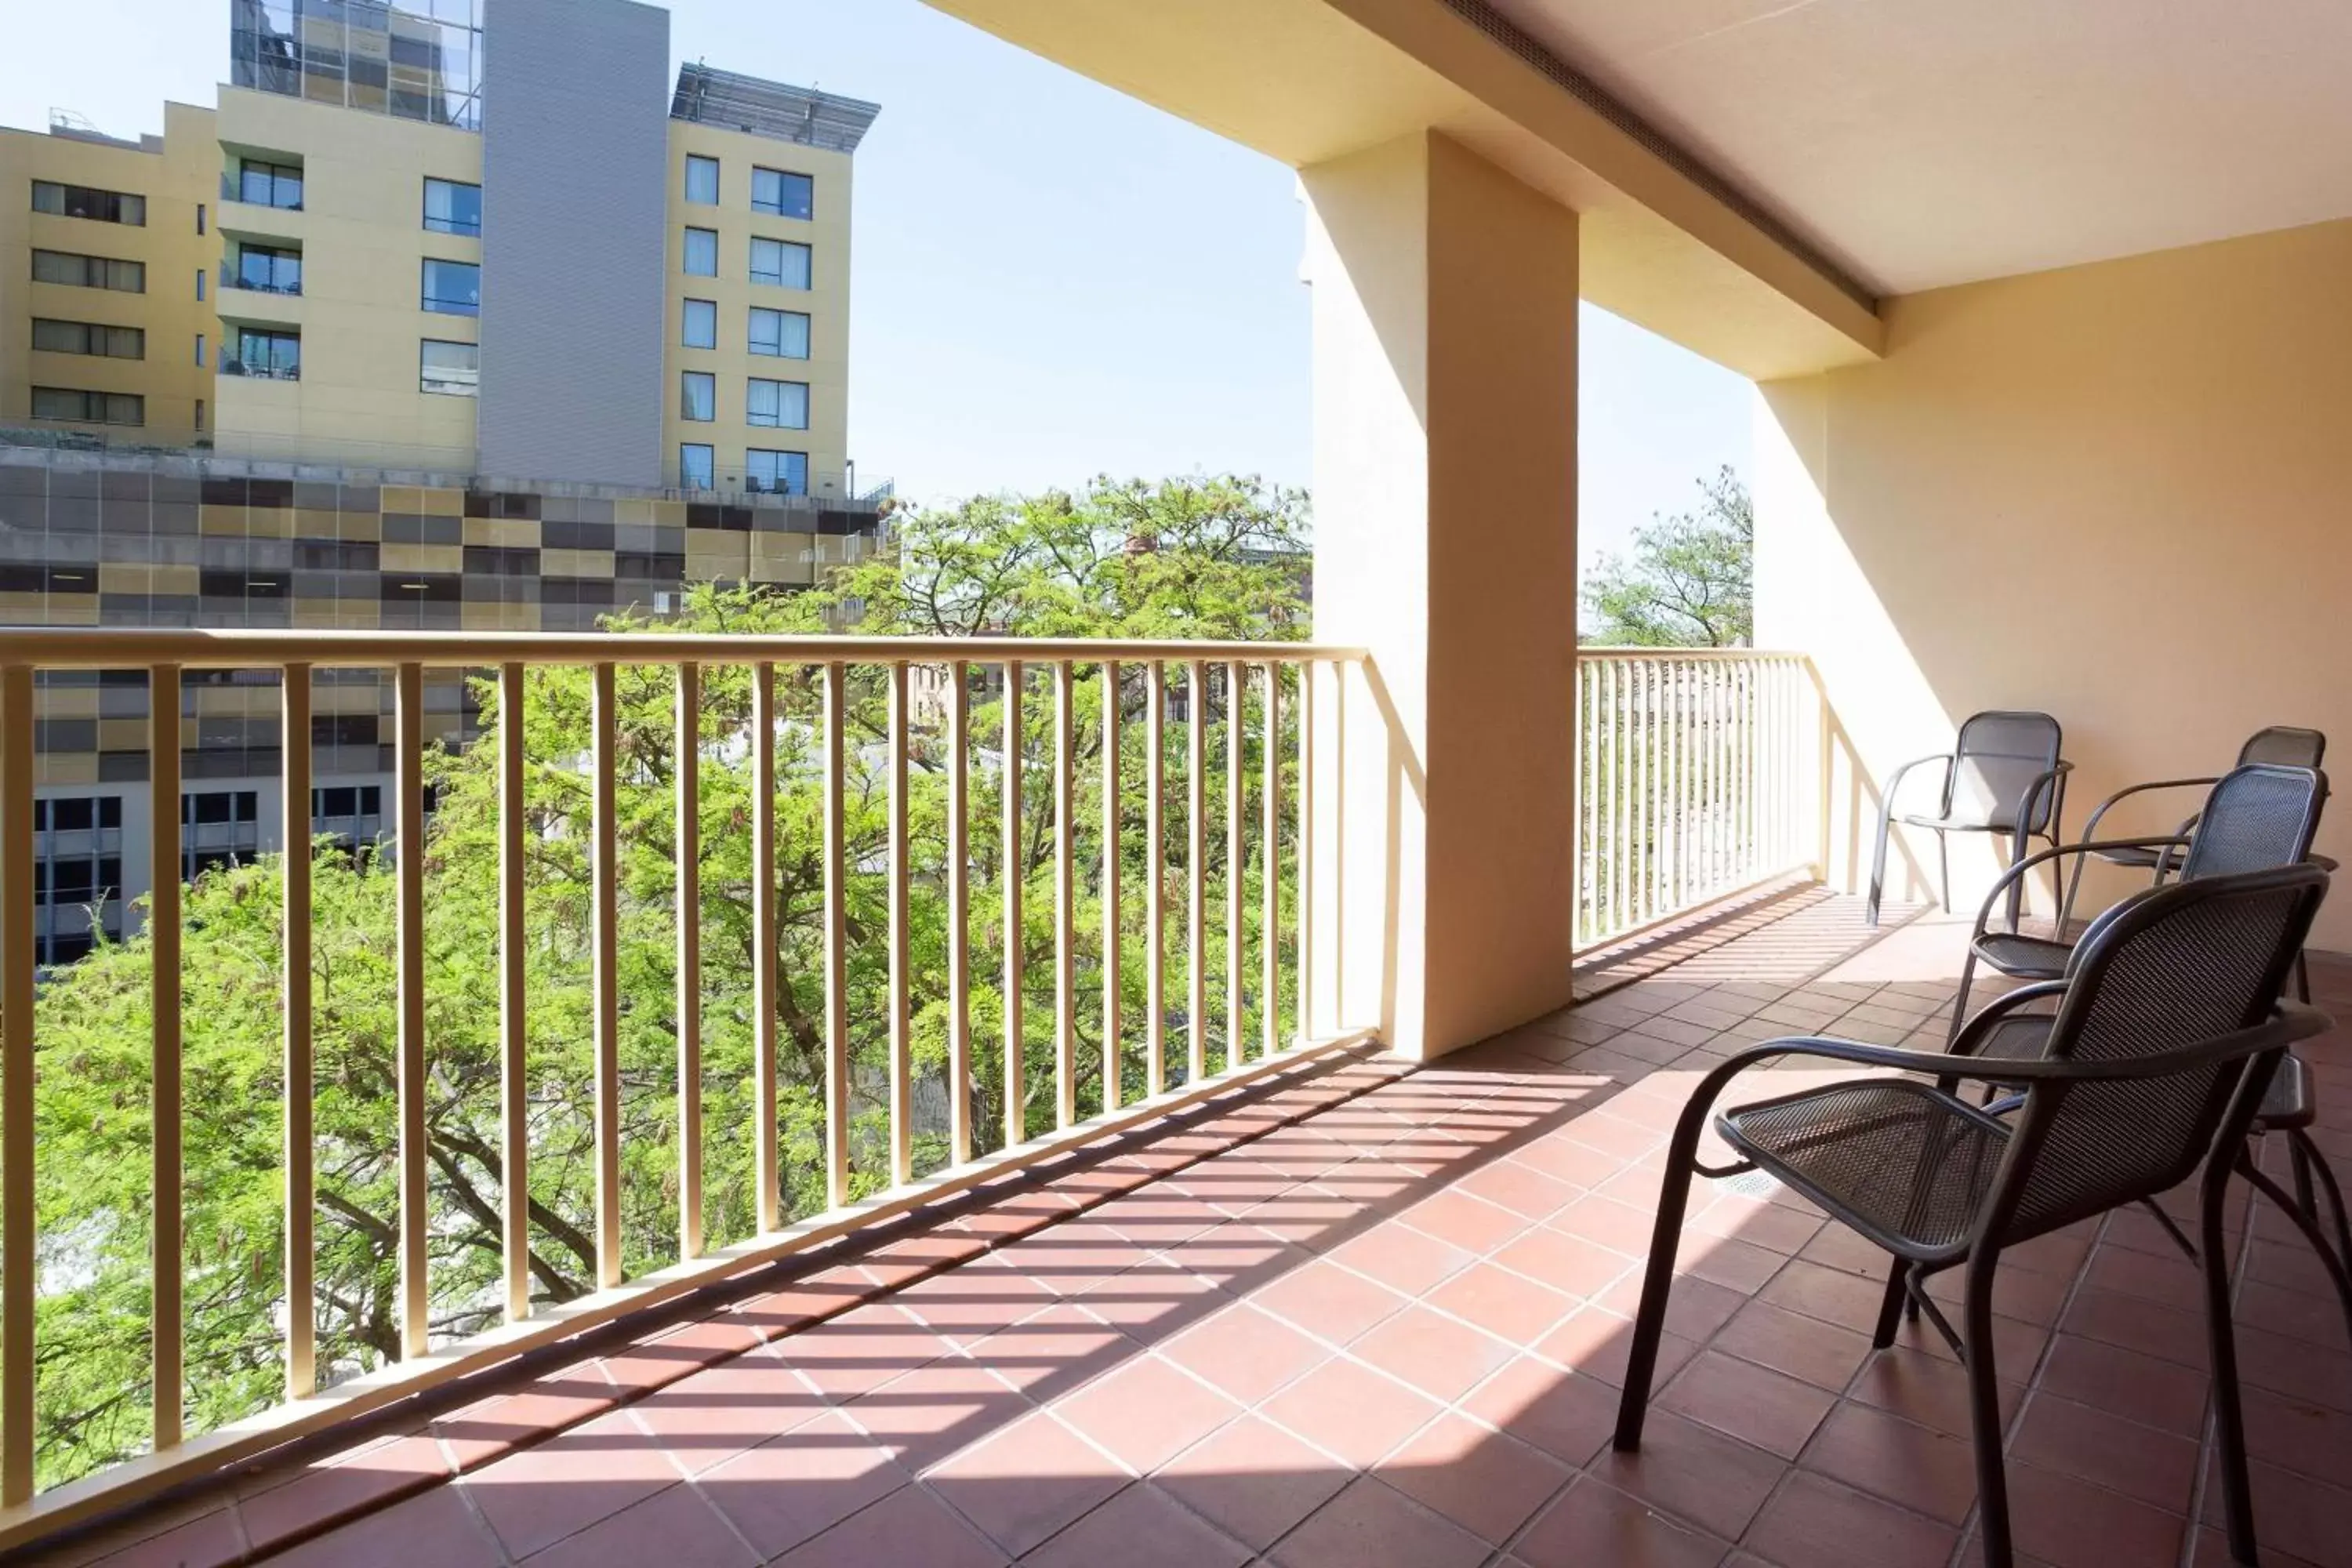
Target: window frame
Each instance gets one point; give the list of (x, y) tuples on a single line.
[(750, 403), (686, 252), (432, 305), (91, 197), (95, 271), (105, 404), (90, 337), (695, 161), (786, 488), (688, 383), (425, 378), (807, 184), (274, 176), (710, 468), (779, 280), (452, 226), (808, 330), (274, 339), (685, 323)]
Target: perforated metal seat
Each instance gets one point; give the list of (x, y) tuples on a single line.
[(2024, 957), (2283, 745), (1909, 1166), (2003, 775)]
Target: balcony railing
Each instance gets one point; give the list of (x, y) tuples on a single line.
[(232, 365), (1259, 698), (284, 195), (1698, 777), (258, 283)]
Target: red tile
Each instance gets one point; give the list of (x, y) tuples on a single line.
[(1694, 1473), (970, 1303), (2315, 1319), (675, 1526), (804, 1301), (211, 1539), (434, 1526), (1147, 1412), (1402, 1258), (783, 1492), (1745, 1401), (1595, 1525), (2137, 1387), (2297, 1515), (1503, 1303), (714, 1416), (1821, 1354), (1564, 1414), (1027, 1481), (1564, 1262), (1831, 1295), (1563, 1158), (540, 1495), (1072, 1257), (1924, 1388), (1442, 1358), (860, 1350), (921, 1418), (1620, 1228), (2299, 1434), (1351, 1411), (1245, 1353), (2137, 1324), (1815, 1524), (910, 1526), (349, 1484), (1486, 1483), (1521, 1189), (1720, 1260), (1371, 1526), (1140, 1528), (1597, 1343), (1695, 1309), (1253, 1480), (2074, 1525), (1059, 1349), (658, 1361), (2077, 1440), (1925, 1470), (1154, 1300), (1329, 1302)]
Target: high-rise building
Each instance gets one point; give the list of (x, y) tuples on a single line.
[(372, 341)]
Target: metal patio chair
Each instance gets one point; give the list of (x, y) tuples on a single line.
[(2164, 1043), (2257, 817), (2281, 743), (2003, 775)]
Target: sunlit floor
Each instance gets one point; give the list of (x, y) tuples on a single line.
[(1392, 1334)]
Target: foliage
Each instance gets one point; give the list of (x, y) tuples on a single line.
[(1691, 582), (1211, 559)]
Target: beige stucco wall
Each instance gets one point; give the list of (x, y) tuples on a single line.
[(825, 302), (364, 241), (2116, 492)]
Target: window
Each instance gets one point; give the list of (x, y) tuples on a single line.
[(785, 473), (200, 351), (702, 252), (698, 326), (455, 369), (86, 201), (88, 407), (200, 282), (702, 181), (783, 333), (783, 195), (200, 218), (694, 467), (781, 403), (780, 262), (200, 416), (269, 269), (453, 288), (275, 356), (90, 338), (698, 395), (452, 207), (89, 271), (269, 184)]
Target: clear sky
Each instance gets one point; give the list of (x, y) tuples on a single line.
[(1050, 280)]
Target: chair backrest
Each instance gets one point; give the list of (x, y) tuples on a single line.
[(2175, 967), (2285, 745), (1995, 763), (2258, 816)]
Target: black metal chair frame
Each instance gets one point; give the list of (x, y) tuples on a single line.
[(2046, 1083), (2050, 781)]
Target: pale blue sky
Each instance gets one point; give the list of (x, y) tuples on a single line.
[(1050, 280)]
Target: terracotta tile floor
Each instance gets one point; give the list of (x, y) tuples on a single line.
[(1380, 1318)]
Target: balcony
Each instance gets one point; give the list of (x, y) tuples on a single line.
[(262, 369), (264, 278)]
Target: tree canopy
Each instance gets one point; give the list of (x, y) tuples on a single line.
[(1690, 582), (1206, 558)]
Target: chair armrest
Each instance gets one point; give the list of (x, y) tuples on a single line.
[(2091, 827), (2018, 868), (1999, 1008), (1894, 779), (2052, 779)]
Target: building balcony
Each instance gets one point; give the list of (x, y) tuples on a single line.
[(260, 370), (262, 280)]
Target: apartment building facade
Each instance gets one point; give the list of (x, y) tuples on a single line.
[(363, 345)]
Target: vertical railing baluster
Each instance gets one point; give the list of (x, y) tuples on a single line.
[(1066, 897), (1196, 705), (688, 836), (302, 1180), (605, 880), (902, 1077), (1616, 796), (19, 1223), (959, 910), (165, 871), (1582, 760), (1236, 857), (1269, 942), (514, 1025), (837, 947), (1017, 1086), (1638, 729), (1155, 880), (1304, 913), (408, 842), (1113, 1013), (764, 946)]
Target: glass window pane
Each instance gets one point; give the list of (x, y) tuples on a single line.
[(453, 288), (453, 206), (702, 252), (781, 263), (781, 195), (783, 333), (785, 473), (454, 369), (694, 467), (702, 181), (698, 395)]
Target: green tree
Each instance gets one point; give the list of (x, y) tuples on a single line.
[(1691, 580), (1204, 558)]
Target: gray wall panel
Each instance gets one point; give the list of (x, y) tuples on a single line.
[(576, 137)]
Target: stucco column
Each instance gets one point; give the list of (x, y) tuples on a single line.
[(1445, 311)]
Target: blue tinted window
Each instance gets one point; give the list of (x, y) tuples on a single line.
[(782, 194), (453, 288), (452, 207)]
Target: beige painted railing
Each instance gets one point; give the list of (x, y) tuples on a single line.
[(1147, 672), (1698, 777)]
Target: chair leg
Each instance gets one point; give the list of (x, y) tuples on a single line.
[(2229, 1418), (1984, 1415), (2302, 979), (2315, 1164), (1890, 1308), (2307, 1220), (1650, 1317), (1944, 868), (1877, 869), (1960, 1001)]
